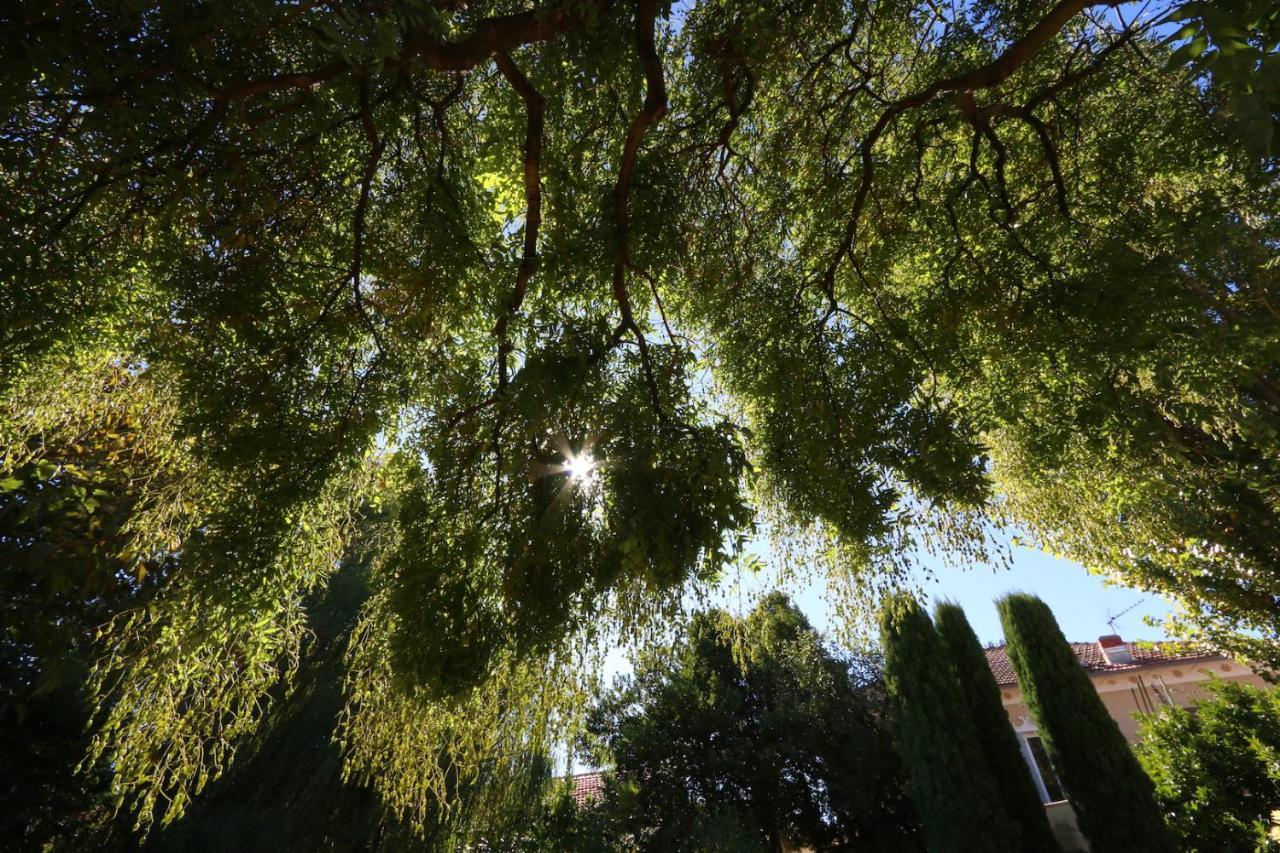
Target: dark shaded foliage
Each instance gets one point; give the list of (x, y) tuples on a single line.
[(959, 800), (752, 732)]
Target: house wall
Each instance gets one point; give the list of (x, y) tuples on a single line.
[(1126, 693)]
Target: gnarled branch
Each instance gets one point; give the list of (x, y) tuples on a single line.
[(535, 109), (655, 107), (987, 76)]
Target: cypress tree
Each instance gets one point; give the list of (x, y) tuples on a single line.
[(999, 742), (1114, 800), (953, 789)]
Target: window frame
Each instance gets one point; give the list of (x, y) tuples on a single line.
[(1024, 744)]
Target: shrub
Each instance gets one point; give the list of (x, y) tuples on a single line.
[(1217, 768)]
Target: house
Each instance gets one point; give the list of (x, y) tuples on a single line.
[(1130, 678), (587, 787)]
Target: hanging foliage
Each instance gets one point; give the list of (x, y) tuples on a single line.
[(591, 289)]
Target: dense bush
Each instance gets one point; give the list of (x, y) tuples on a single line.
[(755, 735), (1217, 768)]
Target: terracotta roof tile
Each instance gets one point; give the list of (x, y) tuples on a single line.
[(1090, 656)]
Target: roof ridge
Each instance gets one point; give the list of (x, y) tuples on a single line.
[(1161, 642), (1092, 658)]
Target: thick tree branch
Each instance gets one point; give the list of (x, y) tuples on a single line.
[(655, 107), (534, 107), (499, 34), (988, 76)]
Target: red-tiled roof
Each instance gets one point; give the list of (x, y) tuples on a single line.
[(1090, 656), (587, 786)]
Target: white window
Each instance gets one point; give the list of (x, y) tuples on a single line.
[(1042, 772)]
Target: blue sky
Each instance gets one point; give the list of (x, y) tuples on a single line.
[(1081, 601)]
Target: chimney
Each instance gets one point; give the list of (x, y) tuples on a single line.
[(1115, 650)]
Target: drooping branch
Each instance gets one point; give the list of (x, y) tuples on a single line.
[(376, 146), (737, 106), (655, 107), (981, 121), (1050, 155), (535, 106)]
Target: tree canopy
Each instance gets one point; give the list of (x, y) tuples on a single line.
[(589, 291), (751, 734)]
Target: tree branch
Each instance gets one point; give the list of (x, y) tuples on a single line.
[(534, 107), (988, 76), (655, 107), (376, 146), (499, 34)]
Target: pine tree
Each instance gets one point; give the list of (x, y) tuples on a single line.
[(1114, 800), (952, 785), (1017, 792)]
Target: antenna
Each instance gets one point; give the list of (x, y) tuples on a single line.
[(1111, 619)]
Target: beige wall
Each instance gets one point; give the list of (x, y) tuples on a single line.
[(1126, 693)]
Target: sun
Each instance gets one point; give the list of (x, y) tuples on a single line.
[(581, 467)]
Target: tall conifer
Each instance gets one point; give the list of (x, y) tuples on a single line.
[(1114, 800), (999, 743), (958, 800)]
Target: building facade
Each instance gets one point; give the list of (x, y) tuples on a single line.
[(1131, 678)]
